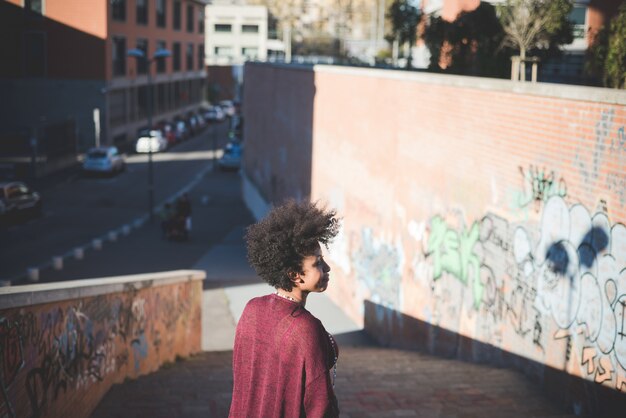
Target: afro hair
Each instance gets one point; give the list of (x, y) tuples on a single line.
[(278, 244)]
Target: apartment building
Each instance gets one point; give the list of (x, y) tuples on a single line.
[(65, 72), (235, 33)]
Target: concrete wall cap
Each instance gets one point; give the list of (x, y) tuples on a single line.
[(559, 91), (33, 294)]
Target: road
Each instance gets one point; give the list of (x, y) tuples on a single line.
[(78, 209)]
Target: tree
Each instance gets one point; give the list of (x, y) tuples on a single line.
[(470, 45), (608, 53), (404, 19), (536, 24)]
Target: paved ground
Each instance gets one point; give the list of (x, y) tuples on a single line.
[(371, 381)]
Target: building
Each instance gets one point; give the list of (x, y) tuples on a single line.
[(67, 80), (235, 33)]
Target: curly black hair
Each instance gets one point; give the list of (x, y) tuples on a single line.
[(278, 244)]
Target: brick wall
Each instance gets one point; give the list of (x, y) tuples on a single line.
[(61, 348), (490, 210)]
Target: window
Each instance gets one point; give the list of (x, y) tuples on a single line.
[(250, 28), (189, 57), (142, 11), (201, 20), (34, 54), (223, 51), (190, 18), (201, 57), (35, 6), (250, 52), (161, 13), (160, 63), (223, 28), (119, 55), (142, 64), (177, 14), (577, 17), (176, 56), (118, 10)]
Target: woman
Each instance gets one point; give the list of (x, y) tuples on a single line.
[(283, 356)]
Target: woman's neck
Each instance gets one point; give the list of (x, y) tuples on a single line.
[(295, 295)]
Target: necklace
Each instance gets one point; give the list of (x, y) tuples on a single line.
[(332, 344), (287, 297)]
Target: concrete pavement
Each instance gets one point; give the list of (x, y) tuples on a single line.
[(371, 381)]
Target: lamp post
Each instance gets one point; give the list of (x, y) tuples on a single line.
[(141, 56)]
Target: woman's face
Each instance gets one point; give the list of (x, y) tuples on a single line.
[(315, 276)]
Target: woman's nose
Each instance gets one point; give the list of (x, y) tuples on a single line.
[(326, 267)]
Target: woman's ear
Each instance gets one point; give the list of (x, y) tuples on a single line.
[(294, 277)]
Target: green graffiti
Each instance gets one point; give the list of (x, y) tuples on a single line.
[(453, 252)]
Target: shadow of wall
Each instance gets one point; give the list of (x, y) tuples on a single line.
[(391, 328), (278, 110)]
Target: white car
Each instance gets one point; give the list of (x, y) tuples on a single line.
[(228, 107), (103, 160), (156, 142)]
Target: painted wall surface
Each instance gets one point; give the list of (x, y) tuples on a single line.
[(59, 359), (495, 214)]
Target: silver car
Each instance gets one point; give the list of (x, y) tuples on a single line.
[(104, 160)]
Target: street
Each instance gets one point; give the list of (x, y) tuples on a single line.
[(79, 209)]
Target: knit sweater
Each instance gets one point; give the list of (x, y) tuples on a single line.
[(281, 361)]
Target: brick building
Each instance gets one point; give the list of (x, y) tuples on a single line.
[(65, 64)]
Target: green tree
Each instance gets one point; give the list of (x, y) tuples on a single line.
[(608, 54), (540, 26), (404, 18)]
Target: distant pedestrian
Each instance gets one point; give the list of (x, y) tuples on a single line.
[(284, 361)]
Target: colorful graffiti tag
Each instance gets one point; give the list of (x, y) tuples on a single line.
[(566, 275)]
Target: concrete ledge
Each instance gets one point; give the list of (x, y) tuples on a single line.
[(558, 91), (18, 296)]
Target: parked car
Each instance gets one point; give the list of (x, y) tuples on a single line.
[(181, 130), (156, 142), (18, 199), (231, 159), (105, 160), (228, 107), (169, 132), (214, 114)]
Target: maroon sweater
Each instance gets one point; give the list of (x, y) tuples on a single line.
[(281, 362)]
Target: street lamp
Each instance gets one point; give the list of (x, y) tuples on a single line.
[(141, 55)]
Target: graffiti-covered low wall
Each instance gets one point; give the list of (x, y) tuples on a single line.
[(62, 345), (490, 211)]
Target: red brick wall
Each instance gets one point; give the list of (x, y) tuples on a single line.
[(486, 208), (59, 359)]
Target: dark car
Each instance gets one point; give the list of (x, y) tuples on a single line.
[(17, 200)]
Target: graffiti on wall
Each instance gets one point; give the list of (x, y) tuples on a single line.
[(377, 264), (562, 279), (52, 352), (538, 185)]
